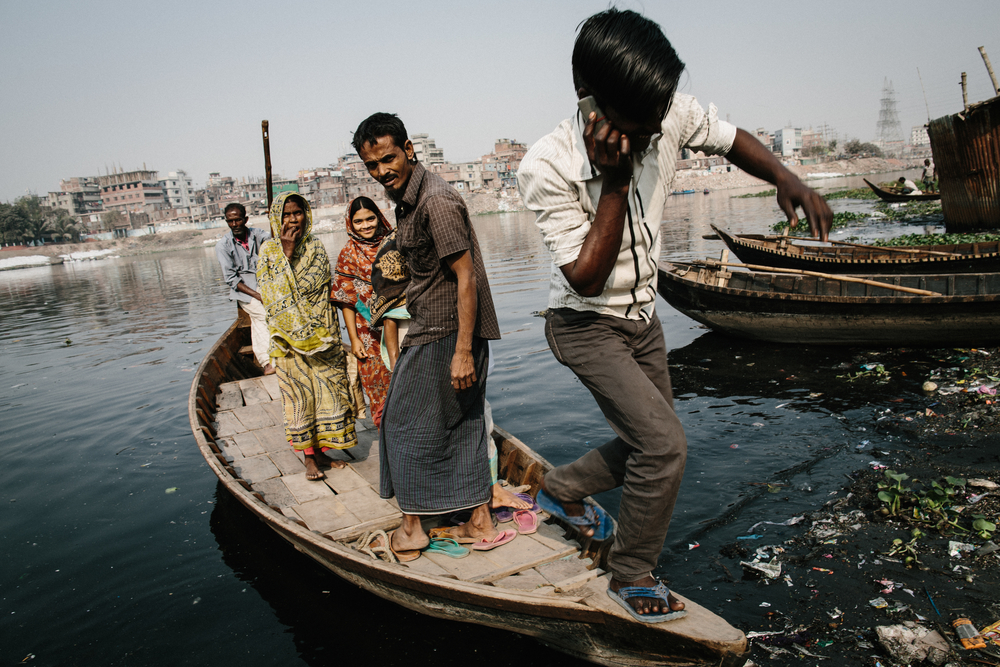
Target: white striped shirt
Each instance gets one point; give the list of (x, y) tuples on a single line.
[(559, 184)]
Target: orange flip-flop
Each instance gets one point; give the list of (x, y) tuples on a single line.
[(502, 538)]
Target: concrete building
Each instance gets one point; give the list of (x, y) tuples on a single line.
[(426, 151), (788, 141), (136, 191), (499, 168), (80, 196), (177, 189)]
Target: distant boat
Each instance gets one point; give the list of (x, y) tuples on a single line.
[(896, 198), (841, 257), (546, 585), (706, 191), (683, 192), (836, 310)]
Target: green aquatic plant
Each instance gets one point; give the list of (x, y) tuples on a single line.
[(937, 239), (842, 219), (853, 193), (893, 491), (754, 195), (983, 527), (909, 210)]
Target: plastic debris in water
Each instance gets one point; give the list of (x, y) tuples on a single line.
[(749, 537), (693, 546), (734, 446), (172, 489), (878, 603)]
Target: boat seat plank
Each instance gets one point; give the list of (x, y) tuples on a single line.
[(273, 439), (365, 504), (306, 490), (567, 568), (287, 462), (325, 515), (252, 417), (346, 479), (275, 492), (274, 411), (352, 533), (248, 443), (270, 384), (228, 424), (254, 392), (229, 449), (229, 396), (255, 469), (528, 580), (247, 350)]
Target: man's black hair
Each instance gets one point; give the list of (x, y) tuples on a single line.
[(236, 206), (624, 60), (375, 127)]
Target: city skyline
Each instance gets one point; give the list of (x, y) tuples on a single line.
[(185, 87)]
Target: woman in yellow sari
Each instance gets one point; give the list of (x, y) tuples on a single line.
[(293, 272)]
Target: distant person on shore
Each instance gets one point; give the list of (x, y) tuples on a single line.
[(598, 186), (294, 277), (908, 187), (928, 176), (433, 442), (237, 255), (352, 292)]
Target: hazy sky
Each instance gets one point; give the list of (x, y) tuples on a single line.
[(184, 85)]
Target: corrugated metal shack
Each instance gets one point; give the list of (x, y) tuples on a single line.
[(966, 150)]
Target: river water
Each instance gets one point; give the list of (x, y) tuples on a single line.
[(119, 548)]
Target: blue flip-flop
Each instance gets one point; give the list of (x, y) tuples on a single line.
[(593, 516), (446, 546), (658, 592)]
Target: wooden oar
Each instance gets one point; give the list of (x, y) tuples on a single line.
[(828, 276)]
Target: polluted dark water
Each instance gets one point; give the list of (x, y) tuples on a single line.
[(119, 547)]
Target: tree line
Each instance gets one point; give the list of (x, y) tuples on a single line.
[(28, 221)]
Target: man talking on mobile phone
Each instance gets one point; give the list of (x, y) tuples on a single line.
[(598, 185)]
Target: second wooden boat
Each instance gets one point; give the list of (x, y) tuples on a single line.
[(788, 308), (545, 585), (896, 198), (807, 254)]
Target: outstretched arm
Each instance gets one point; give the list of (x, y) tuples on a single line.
[(750, 155)]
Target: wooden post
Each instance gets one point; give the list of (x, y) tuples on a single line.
[(989, 68), (965, 93), (267, 163)]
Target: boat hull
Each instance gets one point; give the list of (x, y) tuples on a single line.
[(828, 319), (893, 198), (585, 624)]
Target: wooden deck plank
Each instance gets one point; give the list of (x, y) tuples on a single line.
[(254, 392), (306, 490), (252, 417), (365, 504), (287, 462), (346, 479), (528, 580), (325, 515), (255, 469), (568, 572), (229, 396), (228, 424), (248, 443), (275, 492), (553, 535), (368, 467), (273, 439), (522, 554), (427, 566), (270, 383), (229, 449), (274, 410), (352, 533)]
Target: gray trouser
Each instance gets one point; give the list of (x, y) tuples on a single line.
[(624, 365)]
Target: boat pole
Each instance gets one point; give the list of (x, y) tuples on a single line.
[(828, 276), (989, 68), (267, 163)]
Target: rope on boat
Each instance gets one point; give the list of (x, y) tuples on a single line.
[(364, 545)]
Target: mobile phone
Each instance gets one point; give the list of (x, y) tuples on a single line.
[(587, 105)]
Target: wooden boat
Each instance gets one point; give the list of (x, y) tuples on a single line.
[(833, 310), (841, 257), (544, 585), (682, 192), (895, 197)]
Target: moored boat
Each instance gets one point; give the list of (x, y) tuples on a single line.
[(546, 585), (792, 307), (896, 198), (839, 257)]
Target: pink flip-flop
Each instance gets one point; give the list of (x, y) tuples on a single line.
[(526, 521), (502, 538)]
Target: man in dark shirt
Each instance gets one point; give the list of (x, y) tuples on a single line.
[(433, 438), (237, 255)]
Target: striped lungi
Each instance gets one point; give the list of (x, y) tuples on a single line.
[(433, 443)]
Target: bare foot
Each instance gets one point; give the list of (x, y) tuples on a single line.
[(479, 526), (410, 536), (504, 498), (269, 369), (573, 509), (313, 473), (324, 461), (647, 605)]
